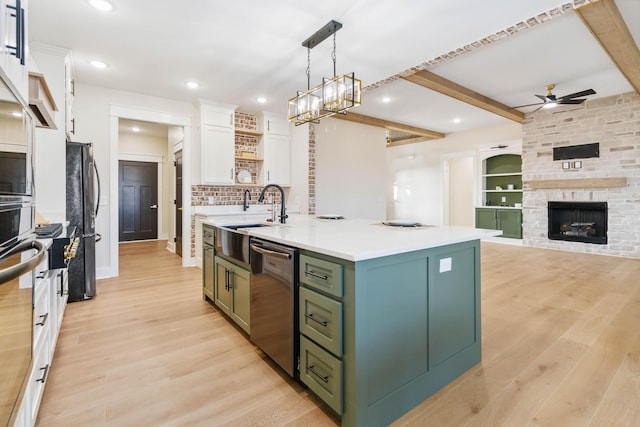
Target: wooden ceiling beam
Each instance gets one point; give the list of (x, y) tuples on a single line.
[(447, 87), (405, 141), (386, 124), (606, 24)]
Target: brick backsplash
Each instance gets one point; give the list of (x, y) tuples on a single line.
[(245, 121), (614, 123)]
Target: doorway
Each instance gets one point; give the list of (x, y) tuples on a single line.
[(178, 202), (459, 193), (138, 207)]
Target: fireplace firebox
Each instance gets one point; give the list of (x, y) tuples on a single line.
[(578, 222)]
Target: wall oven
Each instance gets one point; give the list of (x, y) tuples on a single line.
[(20, 252), (19, 258)]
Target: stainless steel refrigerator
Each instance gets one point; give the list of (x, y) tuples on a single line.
[(83, 196)]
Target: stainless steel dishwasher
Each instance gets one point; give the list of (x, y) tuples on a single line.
[(274, 302)]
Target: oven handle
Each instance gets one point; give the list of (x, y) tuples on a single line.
[(267, 252), (14, 271)]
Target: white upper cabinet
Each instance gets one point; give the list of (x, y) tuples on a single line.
[(217, 142), (218, 114), (69, 93), (276, 148), (13, 45), (277, 160), (272, 124)]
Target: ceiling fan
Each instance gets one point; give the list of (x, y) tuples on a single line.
[(550, 100)]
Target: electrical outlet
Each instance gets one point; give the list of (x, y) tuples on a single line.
[(211, 200), (504, 200)]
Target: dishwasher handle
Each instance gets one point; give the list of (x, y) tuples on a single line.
[(268, 252)]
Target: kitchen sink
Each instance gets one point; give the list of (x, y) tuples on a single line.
[(233, 240), (239, 226)]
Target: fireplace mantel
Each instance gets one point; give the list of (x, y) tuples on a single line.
[(575, 183)]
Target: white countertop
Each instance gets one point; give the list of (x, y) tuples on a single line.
[(354, 239)]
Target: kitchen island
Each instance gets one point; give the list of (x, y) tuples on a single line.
[(387, 315)]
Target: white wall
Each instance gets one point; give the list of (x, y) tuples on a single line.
[(350, 169), (416, 170), (147, 148), (92, 106)]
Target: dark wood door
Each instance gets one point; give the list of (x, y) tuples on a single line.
[(138, 187), (178, 204)]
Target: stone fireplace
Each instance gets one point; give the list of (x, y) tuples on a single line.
[(610, 180)]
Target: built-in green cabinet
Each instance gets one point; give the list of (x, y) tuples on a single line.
[(232, 291), (501, 195), (208, 278), (507, 220), (502, 180)]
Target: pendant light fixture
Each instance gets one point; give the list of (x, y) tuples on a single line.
[(335, 95)]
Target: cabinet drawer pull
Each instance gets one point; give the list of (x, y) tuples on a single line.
[(318, 276), (44, 375), (310, 317), (316, 373), (44, 319)]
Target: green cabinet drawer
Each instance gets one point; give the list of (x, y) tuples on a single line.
[(321, 320), (322, 373), (320, 274), (207, 235)]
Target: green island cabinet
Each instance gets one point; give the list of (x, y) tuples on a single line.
[(232, 291), (207, 263), (501, 195), (379, 336), (225, 283)]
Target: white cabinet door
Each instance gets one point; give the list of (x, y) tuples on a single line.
[(272, 124), (218, 155), (218, 115), (277, 160), (14, 40)]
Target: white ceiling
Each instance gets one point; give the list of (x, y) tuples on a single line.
[(238, 51)]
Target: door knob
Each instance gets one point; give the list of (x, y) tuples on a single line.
[(154, 206), (179, 209)]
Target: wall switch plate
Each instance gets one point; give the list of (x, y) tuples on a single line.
[(445, 265), (211, 200)]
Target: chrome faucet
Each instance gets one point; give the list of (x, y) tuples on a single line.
[(246, 202), (283, 215)]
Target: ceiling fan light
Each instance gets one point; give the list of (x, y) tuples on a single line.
[(550, 105)]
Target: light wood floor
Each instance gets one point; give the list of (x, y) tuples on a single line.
[(561, 347)]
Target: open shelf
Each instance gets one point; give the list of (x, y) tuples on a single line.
[(248, 132)]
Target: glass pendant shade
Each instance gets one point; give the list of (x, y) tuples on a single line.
[(332, 96)]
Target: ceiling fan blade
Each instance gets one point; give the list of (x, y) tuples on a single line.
[(571, 101), (578, 94), (544, 98), (529, 105)]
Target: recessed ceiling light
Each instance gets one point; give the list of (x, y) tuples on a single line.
[(192, 85), (99, 64), (261, 99), (456, 120), (386, 99), (101, 5), (135, 129)]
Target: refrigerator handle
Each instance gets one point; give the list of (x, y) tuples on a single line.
[(98, 180)]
